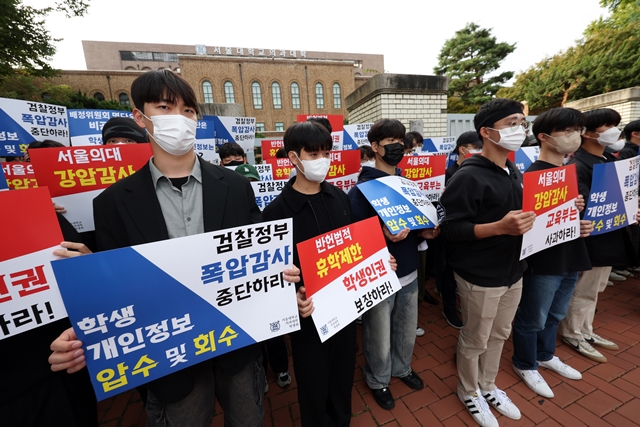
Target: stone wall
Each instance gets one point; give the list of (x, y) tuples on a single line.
[(404, 97), (624, 101)]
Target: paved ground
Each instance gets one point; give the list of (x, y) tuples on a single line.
[(608, 394)]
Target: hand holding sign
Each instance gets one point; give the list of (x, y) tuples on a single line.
[(516, 223)]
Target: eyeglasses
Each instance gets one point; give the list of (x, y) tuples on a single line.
[(515, 126), (571, 131)]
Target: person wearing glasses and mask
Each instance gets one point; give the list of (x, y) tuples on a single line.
[(483, 227), (551, 274)]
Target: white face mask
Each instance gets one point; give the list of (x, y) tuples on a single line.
[(609, 137), (618, 145), (174, 133), (370, 163), (510, 139), (315, 170)]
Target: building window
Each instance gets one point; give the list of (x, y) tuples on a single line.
[(277, 98), (207, 90), (319, 95), (228, 93), (295, 96), (279, 127), (259, 127), (124, 99), (337, 101), (257, 96), (99, 96)]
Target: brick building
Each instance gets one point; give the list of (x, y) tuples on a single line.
[(271, 85)]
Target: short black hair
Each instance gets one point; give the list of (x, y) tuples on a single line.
[(163, 85), (281, 153), (323, 121), (408, 141), (557, 119), (229, 149), (417, 136), (631, 127), (466, 138), (366, 152), (386, 128), (496, 109), (601, 117), (46, 143), (123, 127), (310, 135)]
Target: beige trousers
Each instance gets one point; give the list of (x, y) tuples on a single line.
[(487, 314), (582, 309)]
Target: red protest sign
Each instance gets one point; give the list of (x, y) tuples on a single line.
[(73, 170), (325, 258), (427, 171), (546, 189), (19, 175), (336, 120), (270, 147), (280, 168), (39, 225)]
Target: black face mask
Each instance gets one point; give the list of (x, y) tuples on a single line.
[(235, 163), (393, 153)]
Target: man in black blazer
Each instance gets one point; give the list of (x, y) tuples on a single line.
[(177, 194)]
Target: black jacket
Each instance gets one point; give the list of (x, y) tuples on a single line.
[(306, 224), (128, 213), (481, 192), (610, 249), (628, 151), (404, 251)]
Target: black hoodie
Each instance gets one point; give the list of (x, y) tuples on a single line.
[(481, 192)]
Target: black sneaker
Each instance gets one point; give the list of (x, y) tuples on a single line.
[(453, 320), (430, 298), (413, 381), (383, 398)]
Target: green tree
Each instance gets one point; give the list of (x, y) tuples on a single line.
[(25, 42), (470, 58)]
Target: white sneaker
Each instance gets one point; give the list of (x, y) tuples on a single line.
[(595, 339), (624, 273), (534, 381), (584, 348), (502, 403), (616, 277), (562, 368), (609, 283), (479, 409), (419, 332)]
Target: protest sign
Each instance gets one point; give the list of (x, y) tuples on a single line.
[(4, 182), (147, 311), (264, 171), (235, 129), (85, 126), (525, 156), (266, 191), (269, 148), (22, 122), (344, 170), (613, 199), (205, 145), (280, 168), (337, 123), (427, 171), (346, 272), (76, 175), (550, 194), (442, 145), (19, 175), (354, 136), (29, 295), (400, 203)]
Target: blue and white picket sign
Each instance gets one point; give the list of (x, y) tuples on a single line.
[(205, 145), (443, 145), (400, 203), (22, 122), (355, 136), (147, 311), (85, 126), (236, 129), (525, 156), (613, 199)]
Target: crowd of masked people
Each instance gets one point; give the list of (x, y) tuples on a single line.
[(487, 291)]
